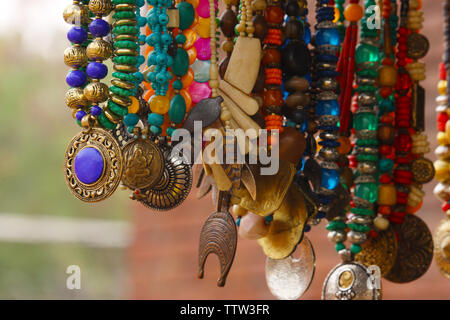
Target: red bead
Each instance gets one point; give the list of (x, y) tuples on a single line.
[(403, 142), (385, 178), (445, 206), (442, 120)]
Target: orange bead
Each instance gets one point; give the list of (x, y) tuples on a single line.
[(147, 31), (337, 14), (353, 12), (345, 145), (192, 53), (188, 78), (187, 98), (413, 210), (202, 28), (134, 106), (191, 37), (159, 104), (148, 94), (148, 49)]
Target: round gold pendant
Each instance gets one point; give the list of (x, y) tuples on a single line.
[(173, 187), (415, 250), (289, 278), (143, 164), (351, 281), (380, 251), (423, 170), (442, 248), (93, 165)]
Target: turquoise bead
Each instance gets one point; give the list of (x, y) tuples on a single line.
[(367, 191), (131, 119), (155, 119), (155, 130), (187, 14), (180, 63), (170, 131), (180, 38), (177, 109), (178, 84), (130, 129), (201, 70), (385, 165), (355, 248)]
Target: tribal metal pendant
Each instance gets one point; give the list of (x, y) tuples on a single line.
[(93, 165), (289, 278), (172, 188)]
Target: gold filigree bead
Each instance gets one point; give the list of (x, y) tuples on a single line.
[(76, 15), (96, 92), (75, 98), (75, 57), (100, 7), (99, 49)]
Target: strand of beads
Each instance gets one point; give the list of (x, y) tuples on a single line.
[(75, 57), (228, 22), (327, 41), (365, 123), (339, 17), (387, 76)]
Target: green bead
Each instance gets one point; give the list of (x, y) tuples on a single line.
[(367, 191), (155, 130), (155, 119), (385, 165), (177, 84), (104, 122), (170, 131), (187, 14), (365, 121), (355, 248), (180, 38), (177, 109), (131, 119), (180, 63), (339, 246), (367, 56)]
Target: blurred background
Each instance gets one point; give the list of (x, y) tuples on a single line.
[(124, 250)]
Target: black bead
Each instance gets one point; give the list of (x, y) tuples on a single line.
[(292, 8)]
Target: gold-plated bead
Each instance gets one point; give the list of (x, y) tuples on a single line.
[(125, 52), (96, 92), (75, 98), (125, 22), (75, 56), (111, 116), (125, 7), (123, 84), (100, 7), (121, 37), (125, 68), (76, 15), (121, 100), (99, 49), (88, 121)]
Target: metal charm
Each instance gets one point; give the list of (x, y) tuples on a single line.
[(380, 251), (105, 177), (218, 236), (351, 281), (289, 278), (442, 248), (423, 170), (143, 165), (415, 250), (173, 187), (417, 45)]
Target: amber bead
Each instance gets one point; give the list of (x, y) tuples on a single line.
[(159, 104), (292, 145), (354, 12), (273, 97), (297, 99), (345, 145), (274, 14), (386, 134), (259, 83), (387, 76), (260, 25), (387, 195), (228, 21), (271, 56)]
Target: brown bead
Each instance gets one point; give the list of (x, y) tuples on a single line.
[(292, 145), (293, 29), (387, 195), (271, 56), (386, 134), (346, 175), (259, 5), (296, 83), (387, 76), (345, 145), (274, 14), (260, 81), (260, 25), (228, 21), (273, 97), (297, 99), (223, 66)]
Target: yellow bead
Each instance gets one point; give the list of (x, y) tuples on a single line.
[(337, 15), (134, 106), (202, 28), (387, 76), (442, 170), (387, 195), (442, 87), (159, 104), (354, 12), (441, 138)]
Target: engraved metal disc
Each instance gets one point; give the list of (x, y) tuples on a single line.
[(143, 164), (442, 248), (417, 45), (174, 185), (289, 278), (423, 170), (350, 281), (110, 151), (415, 250), (380, 251)]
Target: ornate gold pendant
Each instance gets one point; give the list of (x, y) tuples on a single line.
[(415, 250), (442, 247), (93, 165), (351, 281), (380, 251), (172, 188), (143, 164)]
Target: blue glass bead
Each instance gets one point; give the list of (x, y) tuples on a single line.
[(89, 165), (155, 130), (139, 76), (152, 17), (155, 119), (76, 78), (77, 35), (330, 178), (153, 39), (178, 85), (99, 28), (80, 114), (96, 111), (142, 38), (131, 119), (97, 70), (269, 218), (327, 36), (327, 107)]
